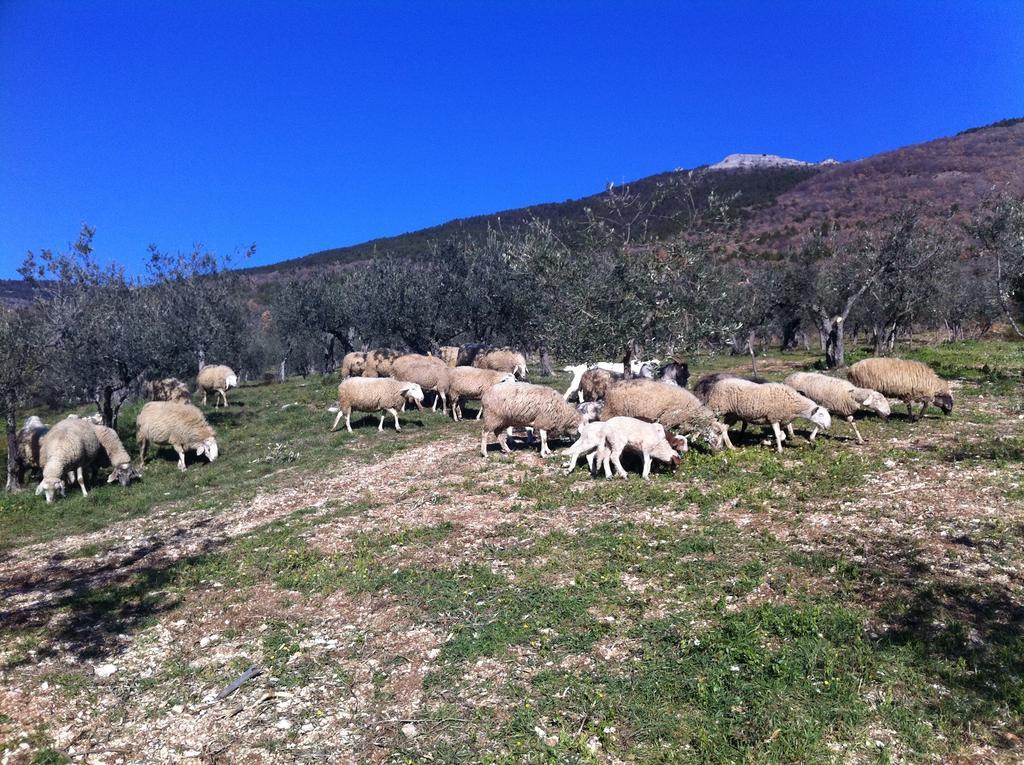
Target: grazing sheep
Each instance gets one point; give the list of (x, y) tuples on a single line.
[(29, 440), (472, 383), (218, 378), (501, 360), (378, 362), (449, 354), (840, 397), (648, 438), (376, 394), (353, 364), (115, 456), (908, 381), (429, 372), (594, 384), (772, 404), (520, 404), (167, 389), (674, 407), (69, 449), (181, 426)]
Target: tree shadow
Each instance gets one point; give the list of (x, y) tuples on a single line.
[(83, 606)]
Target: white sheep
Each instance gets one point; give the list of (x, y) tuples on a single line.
[(68, 450), (647, 438), (772, 404), (181, 426), (218, 378), (472, 383), (29, 444), (908, 381), (840, 397), (518, 405), (115, 456), (353, 364), (374, 394), (636, 367), (501, 360)]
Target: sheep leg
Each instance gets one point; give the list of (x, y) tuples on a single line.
[(224, 396), (853, 425), (604, 459), (778, 437), (503, 442), (480, 411), (81, 482), (395, 415), (483, 444), (592, 462), (647, 466), (381, 426), (813, 434), (725, 438), (142, 451), (789, 430), (444, 402), (433, 407), (181, 457), (924, 408), (341, 414), (204, 396), (617, 461), (910, 410), (348, 420), (544, 450)]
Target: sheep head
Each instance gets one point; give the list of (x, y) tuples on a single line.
[(125, 474), (49, 487), (819, 416), (872, 400), (944, 401), (412, 392), (590, 410), (209, 448)]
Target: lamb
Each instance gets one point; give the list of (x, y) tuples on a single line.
[(182, 426), (772, 404), (840, 397), (219, 378), (69, 449), (114, 455), (908, 381), (648, 438), (167, 389), (521, 404), (502, 360), (378, 362), (472, 383), (29, 440), (365, 394), (674, 407), (428, 372), (353, 364)]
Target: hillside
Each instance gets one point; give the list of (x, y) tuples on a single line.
[(778, 200)]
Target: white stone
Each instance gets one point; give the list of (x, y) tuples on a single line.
[(105, 670), (410, 730)]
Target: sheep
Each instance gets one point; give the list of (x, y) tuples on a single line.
[(167, 389), (365, 394), (468, 352), (353, 364), (449, 354), (703, 387), (429, 372), (648, 438), (674, 373), (521, 404), (674, 407), (908, 381), (594, 384), (840, 397), (472, 383), (29, 441), (68, 450), (181, 426), (113, 455), (378, 362), (501, 360), (772, 404), (218, 378)]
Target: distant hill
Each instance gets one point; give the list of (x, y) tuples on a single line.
[(15, 292), (778, 200)]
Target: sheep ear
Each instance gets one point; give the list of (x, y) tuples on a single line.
[(200, 450), (40, 489)]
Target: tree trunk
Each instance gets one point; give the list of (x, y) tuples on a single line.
[(202, 359), (545, 362), (107, 407), (832, 331), (13, 460), (284, 363), (328, 356)]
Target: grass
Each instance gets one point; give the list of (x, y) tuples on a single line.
[(749, 607)]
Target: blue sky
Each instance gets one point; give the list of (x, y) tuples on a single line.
[(302, 126)]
